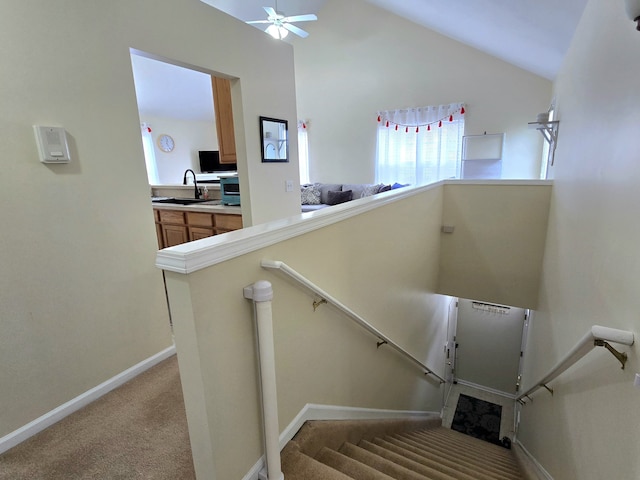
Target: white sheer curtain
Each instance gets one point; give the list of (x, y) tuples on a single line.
[(149, 154), (419, 145), (303, 152)]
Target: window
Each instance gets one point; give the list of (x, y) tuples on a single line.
[(149, 154), (419, 145), (303, 152)]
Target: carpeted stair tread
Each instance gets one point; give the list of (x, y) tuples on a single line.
[(462, 472), (451, 436), (456, 459), (445, 434), (347, 465), (466, 454), (316, 434), (353, 450), (381, 464), (298, 466), (427, 471), (476, 448)]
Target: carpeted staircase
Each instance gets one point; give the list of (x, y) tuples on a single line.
[(394, 449)]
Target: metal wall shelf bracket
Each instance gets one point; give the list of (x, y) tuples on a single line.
[(549, 131), (621, 356), (380, 343), (317, 303), (550, 390)]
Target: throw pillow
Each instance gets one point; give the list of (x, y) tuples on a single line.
[(369, 190), (334, 198), (384, 188), (310, 195), (398, 185)]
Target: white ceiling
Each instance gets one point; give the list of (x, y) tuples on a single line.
[(532, 34), (170, 91)]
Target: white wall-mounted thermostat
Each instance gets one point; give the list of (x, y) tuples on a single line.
[(52, 144)]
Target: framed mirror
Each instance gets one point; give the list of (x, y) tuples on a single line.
[(274, 140)]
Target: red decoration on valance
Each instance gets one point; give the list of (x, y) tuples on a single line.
[(461, 111)]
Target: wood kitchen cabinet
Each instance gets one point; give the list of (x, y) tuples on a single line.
[(174, 227), (224, 119), (227, 223), (200, 225)]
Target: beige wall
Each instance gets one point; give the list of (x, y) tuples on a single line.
[(80, 297), (383, 264), (589, 428), (359, 59), (322, 357), (495, 252)]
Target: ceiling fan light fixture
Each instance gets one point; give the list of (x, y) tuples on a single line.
[(633, 11), (277, 31)]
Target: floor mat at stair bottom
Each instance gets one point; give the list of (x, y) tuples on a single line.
[(477, 418)]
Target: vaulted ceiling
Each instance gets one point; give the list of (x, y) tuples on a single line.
[(531, 34)]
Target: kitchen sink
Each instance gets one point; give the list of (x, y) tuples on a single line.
[(184, 201)]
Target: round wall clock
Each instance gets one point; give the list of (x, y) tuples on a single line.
[(166, 143)]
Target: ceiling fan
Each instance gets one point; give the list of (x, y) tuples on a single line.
[(281, 25)]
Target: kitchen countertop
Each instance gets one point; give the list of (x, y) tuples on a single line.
[(212, 206)]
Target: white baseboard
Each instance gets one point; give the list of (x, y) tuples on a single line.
[(313, 411), (531, 461), (30, 429)]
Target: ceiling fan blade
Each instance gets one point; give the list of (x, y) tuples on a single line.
[(251, 22), (270, 11), (310, 17), (298, 31)]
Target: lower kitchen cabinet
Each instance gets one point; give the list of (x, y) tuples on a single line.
[(174, 227)]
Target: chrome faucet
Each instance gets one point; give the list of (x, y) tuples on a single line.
[(195, 183)]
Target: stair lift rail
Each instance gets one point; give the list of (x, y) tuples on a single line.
[(326, 298), (597, 336)]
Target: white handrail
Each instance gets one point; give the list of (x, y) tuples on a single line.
[(595, 337), (290, 272)]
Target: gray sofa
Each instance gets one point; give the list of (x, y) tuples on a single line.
[(316, 196)]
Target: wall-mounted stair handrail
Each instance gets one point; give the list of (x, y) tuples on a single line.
[(326, 298), (597, 336)]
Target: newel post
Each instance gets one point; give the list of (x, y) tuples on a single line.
[(261, 293)]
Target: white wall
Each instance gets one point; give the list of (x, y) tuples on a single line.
[(489, 346), (589, 428), (189, 136), (80, 297), (359, 59)]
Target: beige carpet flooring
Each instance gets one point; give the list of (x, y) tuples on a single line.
[(137, 431)]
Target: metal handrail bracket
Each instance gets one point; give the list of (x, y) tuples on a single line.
[(326, 298), (597, 336)]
